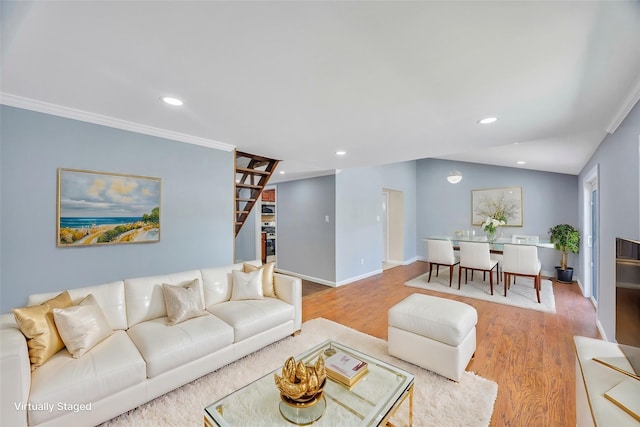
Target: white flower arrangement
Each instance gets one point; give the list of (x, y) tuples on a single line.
[(491, 224)]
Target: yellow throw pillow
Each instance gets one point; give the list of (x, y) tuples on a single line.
[(37, 324), (268, 288)]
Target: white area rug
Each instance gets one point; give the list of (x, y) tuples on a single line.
[(437, 400), (521, 294)]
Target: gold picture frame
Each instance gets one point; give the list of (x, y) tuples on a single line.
[(486, 202), (103, 208)]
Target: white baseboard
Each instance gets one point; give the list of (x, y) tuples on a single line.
[(601, 330), (356, 278), (405, 262), (305, 277)]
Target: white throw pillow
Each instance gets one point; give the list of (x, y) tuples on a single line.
[(268, 289), (82, 326), (247, 285), (183, 302)]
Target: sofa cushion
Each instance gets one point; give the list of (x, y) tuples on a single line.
[(37, 325), (110, 296), (217, 283), (111, 366), (145, 300), (165, 347), (251, 317), (247, 285), (82, 326)]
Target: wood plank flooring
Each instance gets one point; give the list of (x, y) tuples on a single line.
[(529, 354)]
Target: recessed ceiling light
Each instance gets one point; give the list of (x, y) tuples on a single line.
[(487, 120), (521, 162), (171, 101), (282, 172), (341, 153)]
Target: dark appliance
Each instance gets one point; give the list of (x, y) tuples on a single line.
[(271, 246), (628, 292)]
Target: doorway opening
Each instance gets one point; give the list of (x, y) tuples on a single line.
[(392, 228)]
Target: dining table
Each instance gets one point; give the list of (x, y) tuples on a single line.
[(497, 246)]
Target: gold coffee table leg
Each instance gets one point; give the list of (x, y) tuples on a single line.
[(400, 402), (411, 405)]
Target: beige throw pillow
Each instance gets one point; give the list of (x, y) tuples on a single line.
[(37, 325), (247, 285), (268, 288), (83, 326), (183, 302)]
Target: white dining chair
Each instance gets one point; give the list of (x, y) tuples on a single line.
[(523, 238), (477, 256), (521, 260), (440, 252)]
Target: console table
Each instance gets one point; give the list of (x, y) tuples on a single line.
[(593, 380)]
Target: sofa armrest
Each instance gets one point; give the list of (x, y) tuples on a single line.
[(289, 289), (15, 371)]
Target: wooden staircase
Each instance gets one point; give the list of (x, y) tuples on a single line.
[(252, 175)]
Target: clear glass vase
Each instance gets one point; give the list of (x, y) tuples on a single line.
[(492, 236)]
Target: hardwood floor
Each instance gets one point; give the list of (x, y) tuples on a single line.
[(529, 354)]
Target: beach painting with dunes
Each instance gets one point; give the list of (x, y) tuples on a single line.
[(100, 208)]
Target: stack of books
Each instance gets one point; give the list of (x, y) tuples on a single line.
[(345, 368)]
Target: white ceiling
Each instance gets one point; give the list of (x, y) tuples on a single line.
[(386, 81)]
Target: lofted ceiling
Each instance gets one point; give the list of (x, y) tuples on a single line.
[(386, 81)]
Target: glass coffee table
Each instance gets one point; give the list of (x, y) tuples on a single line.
[(369, 402)]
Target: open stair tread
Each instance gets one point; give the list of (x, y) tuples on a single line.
[(255, 172)]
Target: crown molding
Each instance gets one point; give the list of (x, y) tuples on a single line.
[(625, 109), (98, 119)]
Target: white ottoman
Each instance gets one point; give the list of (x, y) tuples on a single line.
[(437, 334)]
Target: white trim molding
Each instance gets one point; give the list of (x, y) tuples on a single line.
[(305, 277), (625, 108), (328, 282), (405, 262), (98, 119), (356, 278)]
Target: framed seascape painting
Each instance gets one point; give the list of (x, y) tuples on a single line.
[(100, 208), (497, 203)]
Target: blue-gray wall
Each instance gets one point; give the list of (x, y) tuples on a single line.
[(548, 199), (305, 242), (359, 238), (196, 208), (349, 246), (618, 163), (246, 238)]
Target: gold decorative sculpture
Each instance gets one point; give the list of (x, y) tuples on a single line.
[(301, 384)]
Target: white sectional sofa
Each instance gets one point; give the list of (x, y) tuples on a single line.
[(144, 357)]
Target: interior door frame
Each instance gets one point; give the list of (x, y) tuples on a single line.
[(590, 179), (385, 226)]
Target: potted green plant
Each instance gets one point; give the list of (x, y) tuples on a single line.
[(566, 238)]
